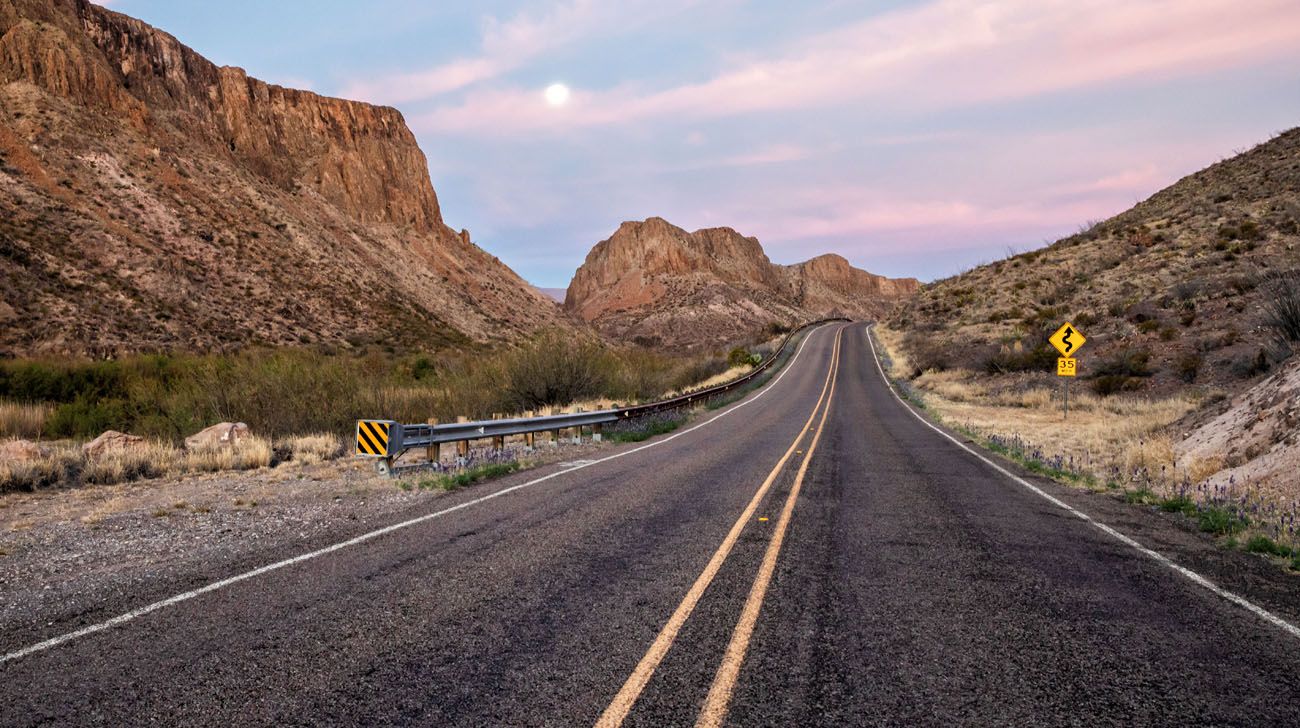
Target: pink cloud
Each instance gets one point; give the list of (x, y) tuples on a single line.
[(945, 53), (510, 44)]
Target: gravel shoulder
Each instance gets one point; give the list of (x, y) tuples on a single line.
[(66, 554)]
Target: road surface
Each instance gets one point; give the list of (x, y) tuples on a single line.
[(813, 555)]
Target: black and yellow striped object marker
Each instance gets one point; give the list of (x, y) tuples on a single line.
[(373, 437)]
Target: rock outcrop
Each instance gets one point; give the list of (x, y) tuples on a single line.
[(655, 283), (19, 451), (224, 434), (110, 441), (150, 199)]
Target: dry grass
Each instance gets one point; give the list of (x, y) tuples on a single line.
[(312, 449), (1105, 437), (60, 465), (66, 465), (146, 460), (251, 453), (730, 375), (18, 419)]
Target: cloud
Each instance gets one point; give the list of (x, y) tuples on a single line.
[(508, 45), (941, 54)]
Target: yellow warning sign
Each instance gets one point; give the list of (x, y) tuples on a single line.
[(1067, 366), (1067, 340), (372, 437)]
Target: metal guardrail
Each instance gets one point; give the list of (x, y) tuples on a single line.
[(387, 440)]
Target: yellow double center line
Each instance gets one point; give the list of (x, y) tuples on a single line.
[(715, 706)]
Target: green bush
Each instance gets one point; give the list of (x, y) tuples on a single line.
[(555, 369), (1220, 522), (1260, 544)]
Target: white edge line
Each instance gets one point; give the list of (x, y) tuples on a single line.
[(185, 596), (1128, 541)]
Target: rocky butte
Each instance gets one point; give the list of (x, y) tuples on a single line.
[(654, 283), (151, 200)]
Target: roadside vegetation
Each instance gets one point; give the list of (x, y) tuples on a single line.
[(302, 403), (1117, 442)]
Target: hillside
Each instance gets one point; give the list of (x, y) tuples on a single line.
[(655, 283), (1186, 394), (150, 200), (1175, 291)]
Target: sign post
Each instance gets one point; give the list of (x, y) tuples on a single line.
[(1067, 340)]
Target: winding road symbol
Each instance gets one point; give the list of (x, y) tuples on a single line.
[(1067, 340)]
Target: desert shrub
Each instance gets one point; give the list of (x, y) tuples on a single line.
[(1188, 366), (1250, 366), (286, 392), (1149, 325), (87, 417), (1122, 372), (1018, 358), (778, 328), (1282, 306), (1128, 363), (739, 357), (555, 369), (37, 381), (926, 353), (1109, 384)]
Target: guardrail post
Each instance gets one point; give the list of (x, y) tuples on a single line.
[(596, 431), (462, 446), (433, 453), (530, 438), (577, 431), (498, 442), (556, 434)]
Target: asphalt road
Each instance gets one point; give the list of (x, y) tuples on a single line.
[(814, 556)]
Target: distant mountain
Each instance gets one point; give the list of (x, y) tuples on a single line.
[(151, 200), (655, 283), (555, 294), (1174, 291)]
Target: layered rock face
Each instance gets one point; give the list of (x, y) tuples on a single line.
[(152, 200), (655, 283)]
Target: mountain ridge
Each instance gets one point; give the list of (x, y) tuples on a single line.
[(155, 201), (656, 283)]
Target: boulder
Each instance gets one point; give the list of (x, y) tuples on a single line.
[(110, 441), (21, 451), (226, 434)]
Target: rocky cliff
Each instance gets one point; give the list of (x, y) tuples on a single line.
[(655, 283), (152, 200)]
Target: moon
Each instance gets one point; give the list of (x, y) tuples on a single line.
[(557, 94)]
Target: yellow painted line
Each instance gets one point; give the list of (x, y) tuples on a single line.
[(627, 696), (714, 711)]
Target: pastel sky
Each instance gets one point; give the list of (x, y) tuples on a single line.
[(914, 138)]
